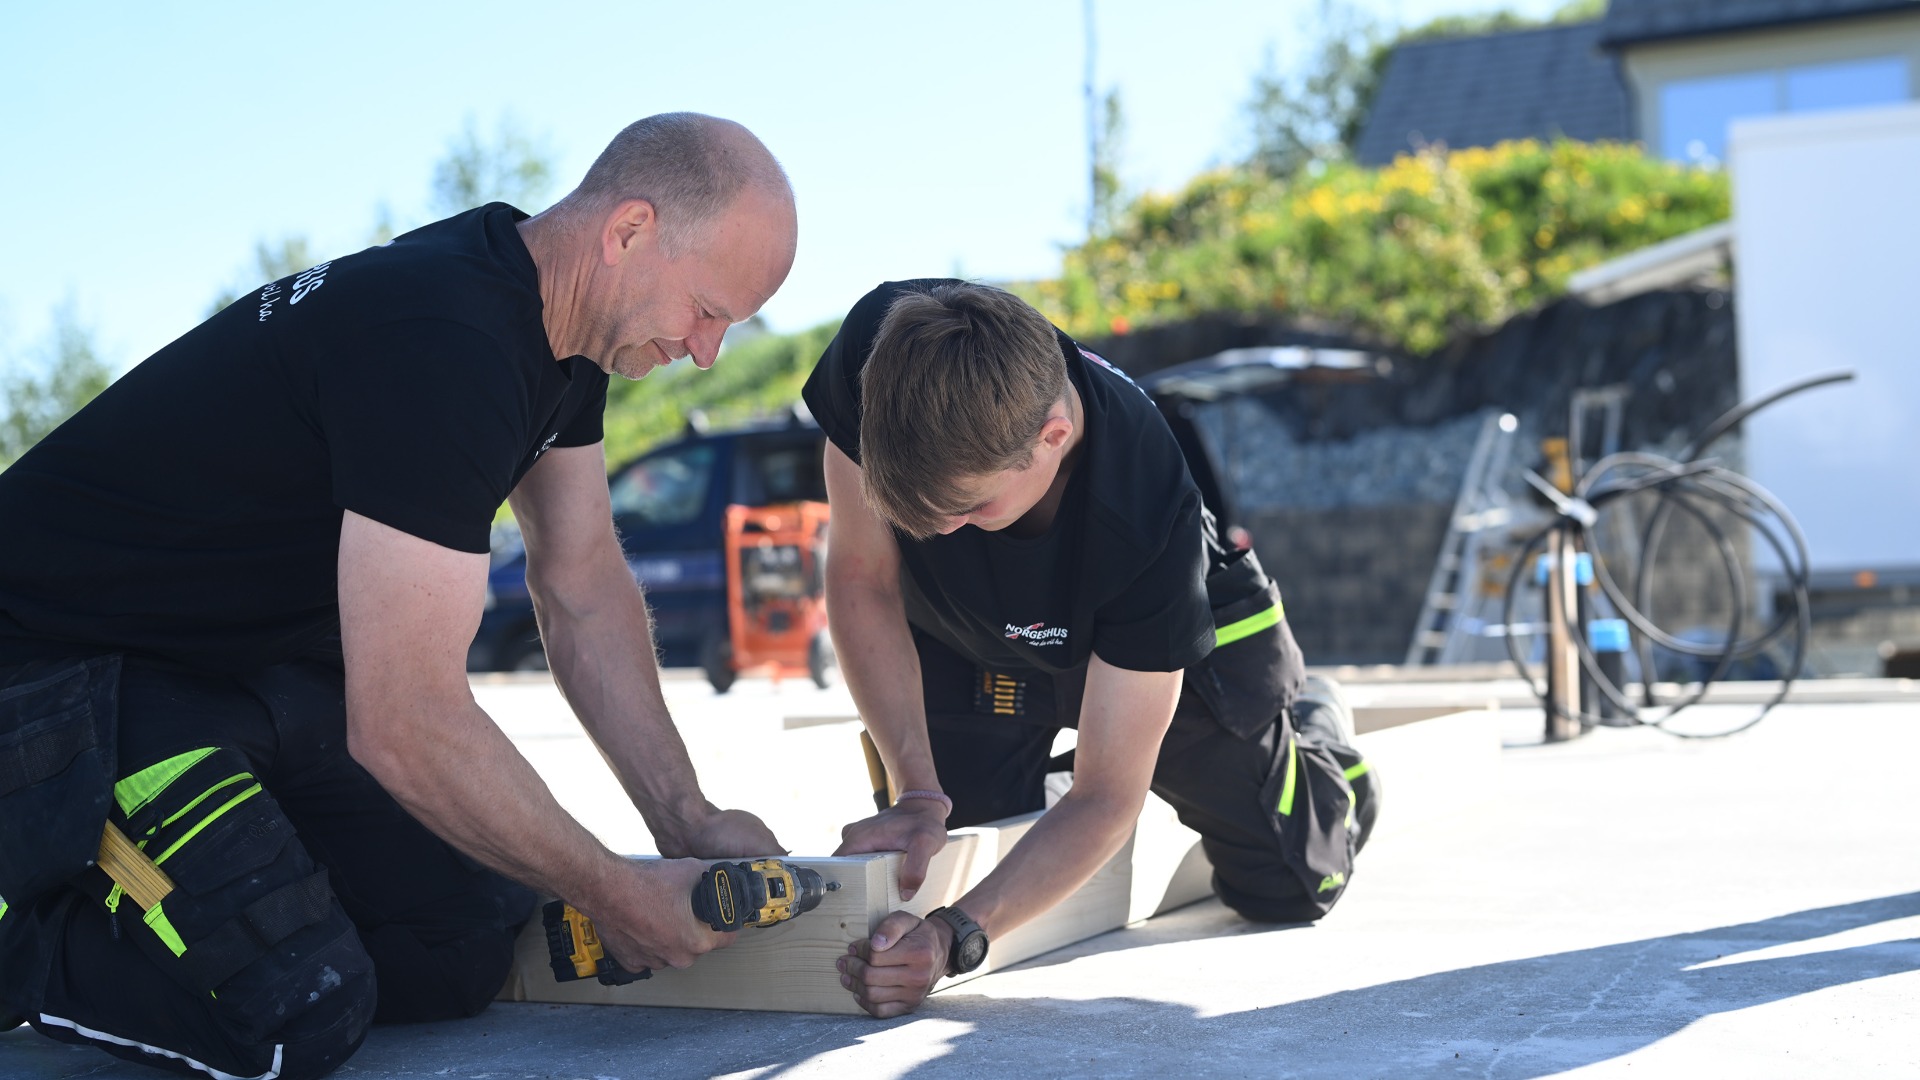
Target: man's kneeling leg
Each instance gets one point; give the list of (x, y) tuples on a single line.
[(439, 926), (249, 967), (1277, 813)]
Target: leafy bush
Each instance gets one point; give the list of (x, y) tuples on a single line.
[(756, 378), (1409, 254)]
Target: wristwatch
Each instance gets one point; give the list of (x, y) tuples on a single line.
[(969, 941)]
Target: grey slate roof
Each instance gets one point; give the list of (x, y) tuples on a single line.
[(1478, 91), (1630, 21)]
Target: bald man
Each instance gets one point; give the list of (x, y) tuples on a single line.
[(236, 593)]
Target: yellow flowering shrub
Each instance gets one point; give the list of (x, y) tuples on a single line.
[(1409, 254)]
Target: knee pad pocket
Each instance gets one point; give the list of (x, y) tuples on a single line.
[(251, 919), (1311, 805)]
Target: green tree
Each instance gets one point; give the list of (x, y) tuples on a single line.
[(1109, 198), (271, 262), (1317, 116), (1294, 121), (513, 168), (41, 392)]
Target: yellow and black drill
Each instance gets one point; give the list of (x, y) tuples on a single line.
[(731, 896)]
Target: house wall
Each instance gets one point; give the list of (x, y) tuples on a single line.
[(1652, 65)]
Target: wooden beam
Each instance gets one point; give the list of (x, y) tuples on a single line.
[(1436, 769), (790, 967)]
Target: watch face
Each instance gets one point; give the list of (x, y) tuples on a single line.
[(972, 950)]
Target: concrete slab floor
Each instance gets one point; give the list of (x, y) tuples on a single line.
[(1628, 905)]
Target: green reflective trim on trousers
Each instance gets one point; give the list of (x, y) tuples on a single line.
[(208, 820), (156, 917), (1293, 774), (139, 789), (183, 811), (1250, 625), (1357, 771), (3, 909)]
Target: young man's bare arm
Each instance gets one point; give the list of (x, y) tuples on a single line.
[(408, 608), (882, 669), (593, 619), (1123, 718)]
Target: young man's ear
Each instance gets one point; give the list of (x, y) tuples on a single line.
[(1056, 431)]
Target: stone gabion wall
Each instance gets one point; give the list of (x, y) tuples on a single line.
[(1392, 466), (1349, 528), (1346, 482)]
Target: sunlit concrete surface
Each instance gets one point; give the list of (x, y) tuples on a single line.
[(1626, 905)]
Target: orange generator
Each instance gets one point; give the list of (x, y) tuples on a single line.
[(776, 602)]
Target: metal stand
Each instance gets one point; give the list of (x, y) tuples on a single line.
[(1563, 653)]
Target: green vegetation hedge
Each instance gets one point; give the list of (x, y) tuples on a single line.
[(757, 378), (1410, 254)]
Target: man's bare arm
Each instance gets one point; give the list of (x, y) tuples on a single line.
[(593, 619), (1123, 718), (882, 669), (408, 608)]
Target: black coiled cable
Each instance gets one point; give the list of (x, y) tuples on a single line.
[(1688, 486)]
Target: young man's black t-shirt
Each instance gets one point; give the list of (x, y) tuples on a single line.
[(192, 511), (1123, 571)]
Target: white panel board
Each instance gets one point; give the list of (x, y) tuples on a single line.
[(1827, 275)]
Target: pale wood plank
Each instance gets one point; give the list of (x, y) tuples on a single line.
[(1435, 769), (786, 968), (1168, 868)]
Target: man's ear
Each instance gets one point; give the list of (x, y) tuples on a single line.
[(1056, 431), (631, 227)]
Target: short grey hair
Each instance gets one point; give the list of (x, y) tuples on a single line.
[(688, 165)]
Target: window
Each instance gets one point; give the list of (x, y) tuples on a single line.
[(1694, 113), (666, 489), (784, 473), (1846, 86)]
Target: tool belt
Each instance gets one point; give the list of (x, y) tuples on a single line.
[(199, 823)]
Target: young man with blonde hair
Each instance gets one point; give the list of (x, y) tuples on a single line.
[(1018, 547)]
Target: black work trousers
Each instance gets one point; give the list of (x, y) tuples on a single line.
[(1275, 805), (307, 903)]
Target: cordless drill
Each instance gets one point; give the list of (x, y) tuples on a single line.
[(731, 896)]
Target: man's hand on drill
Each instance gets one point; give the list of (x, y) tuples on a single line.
[(915, 826), (644, 915), (728, 834)]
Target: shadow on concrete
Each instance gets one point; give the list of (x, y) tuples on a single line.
[(1533, 1017), (1520, 1018)]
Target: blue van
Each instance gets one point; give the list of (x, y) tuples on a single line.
[(669, 506)]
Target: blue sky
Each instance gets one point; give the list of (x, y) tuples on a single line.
[(150, 146)]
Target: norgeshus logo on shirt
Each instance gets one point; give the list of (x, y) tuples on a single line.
[(1038, 634)]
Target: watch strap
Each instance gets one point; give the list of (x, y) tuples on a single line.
[(962, 926)]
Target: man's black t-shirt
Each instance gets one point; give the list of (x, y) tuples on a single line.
[(192, 511), (1122, 572)]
